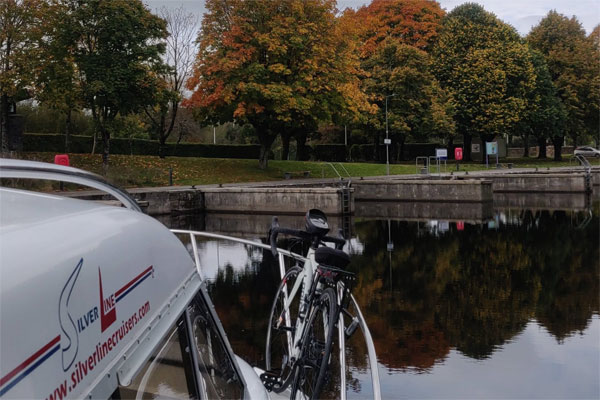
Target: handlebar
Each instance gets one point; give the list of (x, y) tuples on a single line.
[(276, 230)]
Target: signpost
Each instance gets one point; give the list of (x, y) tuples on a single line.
[(491, 148)]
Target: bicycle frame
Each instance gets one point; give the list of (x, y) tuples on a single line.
[(308, 283)]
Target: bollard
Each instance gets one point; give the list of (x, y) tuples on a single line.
[(170, 176), (457, 167)]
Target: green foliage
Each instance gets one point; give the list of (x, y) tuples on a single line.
[(116, 47), (417, 107), (42, 119), (481, 61), (545, 116), (129, 126), (573, 61), (19, 20)]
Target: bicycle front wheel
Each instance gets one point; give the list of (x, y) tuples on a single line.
[(311, 371), (280, 333)]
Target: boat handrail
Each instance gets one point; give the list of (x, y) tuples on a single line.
[(282, 252), (23, 169)]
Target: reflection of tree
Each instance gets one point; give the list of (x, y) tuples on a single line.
[(475, 289), (243, 300), (472, 290)]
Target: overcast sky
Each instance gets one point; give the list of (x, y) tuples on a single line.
[(522, 14)]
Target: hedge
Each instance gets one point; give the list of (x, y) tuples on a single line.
[(367, 152), (83, 144), (329, 152)]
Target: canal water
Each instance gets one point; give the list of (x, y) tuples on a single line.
[(506, 307)]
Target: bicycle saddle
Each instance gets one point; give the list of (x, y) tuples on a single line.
[(331, 257)]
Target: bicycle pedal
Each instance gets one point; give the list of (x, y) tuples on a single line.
[(270, 379)]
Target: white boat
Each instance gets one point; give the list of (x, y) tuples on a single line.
[(98, 301)]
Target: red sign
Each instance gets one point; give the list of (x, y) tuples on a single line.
[(458, 153), (460, 226), (61, 159)]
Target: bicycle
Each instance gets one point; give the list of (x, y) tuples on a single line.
[(306, 310)]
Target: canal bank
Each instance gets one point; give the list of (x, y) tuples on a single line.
[(340, 197)]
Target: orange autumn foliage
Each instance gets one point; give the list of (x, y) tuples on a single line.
[(412, 22)]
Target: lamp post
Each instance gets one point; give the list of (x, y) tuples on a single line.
[(387, 138)]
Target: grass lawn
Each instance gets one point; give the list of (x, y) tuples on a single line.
[(139, 171)]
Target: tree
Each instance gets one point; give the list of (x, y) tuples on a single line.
[(573, 61), (19, 28), (273, 64), (179, 56), (482, 62), (545, 114), (116, 47), (57, 85), (417, 107), (412, 22)]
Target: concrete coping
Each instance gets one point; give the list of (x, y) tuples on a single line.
[(274, 189), (450, 182), (540, 174)]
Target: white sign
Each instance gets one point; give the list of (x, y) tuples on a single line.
[(441, 153), (387, 141)]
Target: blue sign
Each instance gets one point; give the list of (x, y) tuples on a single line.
[(491, 148)]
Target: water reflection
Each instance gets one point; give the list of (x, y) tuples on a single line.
[(503, 308)]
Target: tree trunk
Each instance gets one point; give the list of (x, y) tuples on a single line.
[(4, 123), (526, 145), (301, 149), (68, 128), (467, 150), (266, 139), (263, 159), (557, 141), (285, 145), (106, 149), (401, 149), (162, 146), (542, 147), (162, 136)]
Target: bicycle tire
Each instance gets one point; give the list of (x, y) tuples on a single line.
[(277, 357), (315, 354)]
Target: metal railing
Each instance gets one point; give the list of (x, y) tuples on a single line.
[(341, 166), (281, 260), (22, 169)]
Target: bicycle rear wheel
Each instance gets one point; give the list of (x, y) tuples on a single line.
[(312, 368), (280, 332)]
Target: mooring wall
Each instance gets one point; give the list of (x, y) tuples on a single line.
[(261, 200), (476, 190), (538, 182), (275, 200)]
